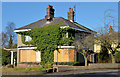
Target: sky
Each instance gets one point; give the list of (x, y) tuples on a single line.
[(88, 14)]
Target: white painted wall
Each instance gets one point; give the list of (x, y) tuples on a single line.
[(38, 56)]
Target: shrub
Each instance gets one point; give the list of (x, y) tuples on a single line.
[(103, 56), (67, 63), (5, 57), (117, 57), (30, 63)]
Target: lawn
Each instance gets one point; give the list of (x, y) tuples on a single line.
[(16, 69)]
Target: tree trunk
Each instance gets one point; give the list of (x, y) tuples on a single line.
[(113, 58), (85, 60)]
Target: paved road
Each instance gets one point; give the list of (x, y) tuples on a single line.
[(78, 73), (110, 74)]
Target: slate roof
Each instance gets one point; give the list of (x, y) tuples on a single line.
[(56, 20)]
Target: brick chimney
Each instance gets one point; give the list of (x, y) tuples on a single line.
[(50, 13), (111, 29), (71, 15)]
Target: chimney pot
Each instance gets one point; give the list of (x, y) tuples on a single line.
[(51, 6), (110, 26), (69, 9), (48, 6), (111, 29)]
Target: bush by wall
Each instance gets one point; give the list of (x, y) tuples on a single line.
[(103, 56), (5, 57), (67, 63), (117, 57)]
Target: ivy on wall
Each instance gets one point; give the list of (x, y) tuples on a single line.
[(46, 39)]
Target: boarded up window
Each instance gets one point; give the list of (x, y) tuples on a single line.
[(29, 56)]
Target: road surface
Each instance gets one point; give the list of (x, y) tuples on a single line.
[(77, 73)]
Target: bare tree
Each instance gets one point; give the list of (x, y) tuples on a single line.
[(3, 39), (107, 36), (110, 41), (84, 46), (8, 36)]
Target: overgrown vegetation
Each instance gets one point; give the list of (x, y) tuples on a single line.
[(117, 56), (8, 40), (5, 57), (46, 39), (103, 55)]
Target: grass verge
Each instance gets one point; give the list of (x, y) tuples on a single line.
[(16, 69)]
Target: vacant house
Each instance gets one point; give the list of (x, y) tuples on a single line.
[(26, 53)]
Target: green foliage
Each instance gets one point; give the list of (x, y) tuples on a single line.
[(117, 57), (23, 38), (20, 69), (46, 39), (67, 63), (30, 63), (5, 57), (14, 46), (103, 55), (0, 56)]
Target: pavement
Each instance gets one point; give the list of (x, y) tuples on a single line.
[(74, 72), (77, 73)]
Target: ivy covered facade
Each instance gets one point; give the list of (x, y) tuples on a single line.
[(50, 39)]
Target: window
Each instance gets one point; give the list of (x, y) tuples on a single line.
[(71, 34), (28, 38)]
